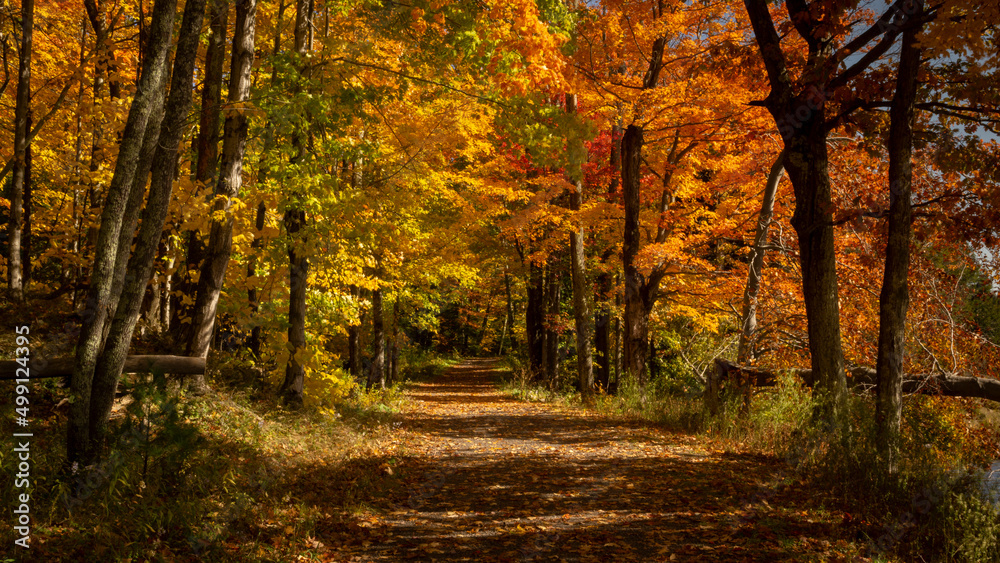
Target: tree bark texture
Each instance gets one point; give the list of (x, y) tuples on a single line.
[(99, 292), (63, 366), (603, 356), (22, 102), (207, 162), (636, 321), (140, 265), (535, 319), (895, 295), (800, 115), (376, 377), (211, 94), (553, 296), (295, 220), (255, 331), (26, 241), (354, 339), (213, 270), (582, 313), (748, 319)]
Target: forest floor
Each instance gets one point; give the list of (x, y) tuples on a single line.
[(487, 478)]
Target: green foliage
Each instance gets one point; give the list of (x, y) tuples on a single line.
[(965, 528), (778, 420), (417, 364)]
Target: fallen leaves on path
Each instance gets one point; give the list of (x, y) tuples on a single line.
[(491, 479)]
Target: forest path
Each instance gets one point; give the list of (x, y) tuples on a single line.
[(493, 479)]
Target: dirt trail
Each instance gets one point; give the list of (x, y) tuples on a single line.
[(498, 480)]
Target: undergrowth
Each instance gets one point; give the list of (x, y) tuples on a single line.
[(933, 508), (228, 476)]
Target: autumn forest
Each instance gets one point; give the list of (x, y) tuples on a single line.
[(483, 280)]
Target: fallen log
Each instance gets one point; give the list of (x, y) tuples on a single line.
[(727, 375), (63, 367)]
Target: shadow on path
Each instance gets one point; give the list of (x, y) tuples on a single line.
[(498, 480)]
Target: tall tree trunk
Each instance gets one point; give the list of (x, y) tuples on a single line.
[(213, 270), (165, 252), (636, 321), (748, 319), (95, 315), (105, 72), (133, 206), (256, 336), (140, 265), (602, 321), (354, 340), (654, 368), (255, 331), (581, 289), (79, 215), (376, 377), (535, 319), (806, 163), (553, 296), (393, 372), (211, 94), (799, 112), (206, 165), (619, 346), (295, 219), (895, 296), (508, 322), (15, 283), (26, 241)]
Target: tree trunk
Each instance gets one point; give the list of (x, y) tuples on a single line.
[(602, 331), (636, 321), (295, 219), (354, 340), (99, 292), (133, 207), (535, 319), (376, 377), (806, 163), (508, 322), (255, 331), (393, 374), (895, 295), (213, 270), (206, 165), (26, 241), (167, 282), (619, 347), (106, 64), (211, 94), (105, 71), (256, 336), (862, 377), (582, 312), (799, 112), (63, 366), (749, 316), (292, 387), (553, 296), (140, 265), (21, 108)]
